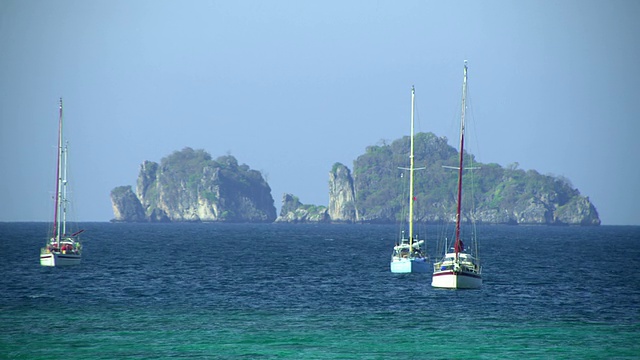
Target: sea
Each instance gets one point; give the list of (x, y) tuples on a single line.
[(303, 291)]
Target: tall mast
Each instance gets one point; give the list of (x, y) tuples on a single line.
[(460, 167), (411, 168), (56, 214), (64, 190)]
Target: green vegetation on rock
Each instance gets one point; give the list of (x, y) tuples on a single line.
[(500, 195)]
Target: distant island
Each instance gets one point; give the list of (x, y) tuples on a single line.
[(373, 193), (189, 185)]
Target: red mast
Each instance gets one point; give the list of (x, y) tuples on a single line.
[(56, 228), (458, 244)]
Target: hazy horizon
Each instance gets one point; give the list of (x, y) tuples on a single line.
[(289, 88)]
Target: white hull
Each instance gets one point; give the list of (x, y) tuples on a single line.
[(59, 259), (405, 265), (451, 280)]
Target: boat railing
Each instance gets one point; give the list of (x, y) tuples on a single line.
[(449, 264)]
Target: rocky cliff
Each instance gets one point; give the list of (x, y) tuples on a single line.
[(342, 202), (293, 211), (126, 206), (189, 186)]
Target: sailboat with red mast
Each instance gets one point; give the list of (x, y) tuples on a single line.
[(459, 268), (61, 248)]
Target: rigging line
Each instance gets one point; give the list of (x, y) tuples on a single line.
[(444, 227), (442, 236), (403, 208), (472, 213), (473, 124), (473, 175), (417, 121)]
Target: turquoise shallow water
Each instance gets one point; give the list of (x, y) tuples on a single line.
[(223, 291)]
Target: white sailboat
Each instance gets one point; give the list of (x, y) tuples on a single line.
[(407, 256), (460, 267), (61, 248)]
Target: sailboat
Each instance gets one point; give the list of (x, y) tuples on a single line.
[(407, 256), (460, 267), (61, 248)]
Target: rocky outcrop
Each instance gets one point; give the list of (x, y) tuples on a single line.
[(536, 199), (126, 206), (579, 210), (342, 199), (188, 186), (293, 211)]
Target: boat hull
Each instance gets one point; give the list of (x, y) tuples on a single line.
[(456, 280), (403, 266), (59, 259)]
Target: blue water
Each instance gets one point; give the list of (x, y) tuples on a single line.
[(262, 291)]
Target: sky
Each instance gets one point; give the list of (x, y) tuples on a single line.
[(291, 87)]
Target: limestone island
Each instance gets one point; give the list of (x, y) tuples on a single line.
[(189, 186)]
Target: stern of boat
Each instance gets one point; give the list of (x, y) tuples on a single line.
[(409, 265)]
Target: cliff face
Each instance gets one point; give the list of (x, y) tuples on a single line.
[(126, 206), (578, 210), (189, 186), (293, 211), (342, 202), (146, 179)]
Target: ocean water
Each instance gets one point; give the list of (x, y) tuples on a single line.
[(276, 291)]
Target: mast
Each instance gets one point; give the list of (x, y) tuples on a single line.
[(56, 214), (411, 168), (457, 246), (64, 190)]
